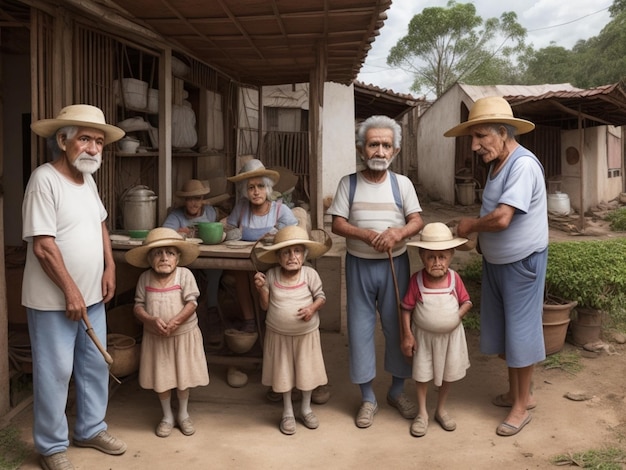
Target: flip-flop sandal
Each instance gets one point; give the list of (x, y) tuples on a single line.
[(506, 429), (499, 400)]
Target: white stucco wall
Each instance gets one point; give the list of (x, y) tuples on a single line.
[(338, 148), (435, 153), (598, 186)]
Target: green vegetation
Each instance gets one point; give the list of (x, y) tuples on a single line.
[(444, 46), (611, 458), (566, 361), (590, 272), (447, 45), (13, 450), (471, 273), (617, 218)]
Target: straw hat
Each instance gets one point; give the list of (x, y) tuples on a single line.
[(82, 115), (287, 179), (158, 237), (193, 188), (490, 110), (293, 235), (437, 236), (254, 169)]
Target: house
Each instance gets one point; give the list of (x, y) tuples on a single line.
[(178, 74), (577, 138)]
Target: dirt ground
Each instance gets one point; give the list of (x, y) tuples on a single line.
[(238, 428)]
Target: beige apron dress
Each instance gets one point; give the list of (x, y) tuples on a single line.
[(177, 361), (441, 346)]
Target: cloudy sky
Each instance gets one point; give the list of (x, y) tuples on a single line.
[(563, 22)]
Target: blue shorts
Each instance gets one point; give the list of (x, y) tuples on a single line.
[(511, 307)]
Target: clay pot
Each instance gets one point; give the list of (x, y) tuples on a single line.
[(121, 320), (554, 336), (556, 319), (240, 342), (125, 353), (586, 327)]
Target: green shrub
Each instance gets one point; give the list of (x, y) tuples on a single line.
[(590, 272), (617, 219), (472, 271)]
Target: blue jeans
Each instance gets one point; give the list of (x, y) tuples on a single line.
[(60, 348), (370, 288)]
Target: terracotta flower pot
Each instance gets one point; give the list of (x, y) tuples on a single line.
[(556, 318)]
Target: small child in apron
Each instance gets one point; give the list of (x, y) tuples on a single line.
[(432, 332), (292, 295), (172, 352)]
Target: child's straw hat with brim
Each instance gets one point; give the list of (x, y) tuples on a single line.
[(290, 236), (193, 188), (254, 169), (490, 110), (160, 237), (437, 236), (81, 115)]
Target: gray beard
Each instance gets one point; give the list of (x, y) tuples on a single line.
[(87, 166), (378, 164)]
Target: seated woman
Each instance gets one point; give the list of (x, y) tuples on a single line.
[(254, 215), (183, 219)]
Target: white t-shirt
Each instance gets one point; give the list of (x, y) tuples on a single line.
[(73, 214), (374, 208)]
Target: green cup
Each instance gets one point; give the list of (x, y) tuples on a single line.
[(210, 232)]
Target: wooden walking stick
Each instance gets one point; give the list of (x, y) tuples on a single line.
[(92, 334), (395, 285)]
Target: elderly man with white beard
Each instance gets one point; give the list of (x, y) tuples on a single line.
[(69, 273), (376, 210)]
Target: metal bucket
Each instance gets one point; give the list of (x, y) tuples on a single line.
[(139, 208), (465, 193)]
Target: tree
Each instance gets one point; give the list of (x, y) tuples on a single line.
[(602, 59), (447, 45), (552, 64)]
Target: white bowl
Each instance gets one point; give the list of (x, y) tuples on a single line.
[(128, 145)]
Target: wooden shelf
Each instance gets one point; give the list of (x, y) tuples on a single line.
[(138, 154)]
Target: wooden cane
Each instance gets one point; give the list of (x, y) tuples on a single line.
[(92, 334), (395, 285)]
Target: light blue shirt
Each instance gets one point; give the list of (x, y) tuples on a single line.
[(520, 184)]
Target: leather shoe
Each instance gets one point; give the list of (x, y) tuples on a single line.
[(58, 461), (104, 442)]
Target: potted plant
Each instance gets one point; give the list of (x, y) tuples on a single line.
[(556, 319), (592, 273)]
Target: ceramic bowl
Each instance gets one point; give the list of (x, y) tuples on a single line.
[(138, 233), (211, 233), (240, 342), (128, 145)]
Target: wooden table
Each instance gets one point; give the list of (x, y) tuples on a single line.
[(226, 256)]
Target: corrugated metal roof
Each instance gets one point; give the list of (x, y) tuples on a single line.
[(370, 99), (561, 105)]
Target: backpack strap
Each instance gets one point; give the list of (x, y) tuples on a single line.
[(395, 189)]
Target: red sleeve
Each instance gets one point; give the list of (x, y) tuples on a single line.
[(461, 292), (412, 296)]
